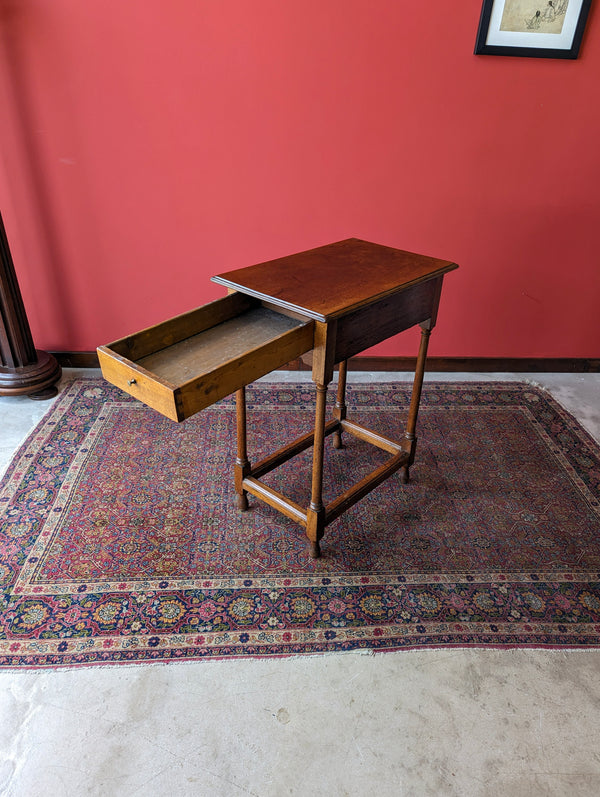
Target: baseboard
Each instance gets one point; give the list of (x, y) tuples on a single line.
[(89, 359), (77, 359)]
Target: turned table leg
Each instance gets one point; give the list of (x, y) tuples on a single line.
[(409, 442), (315, 516), (242, 465), (340, 410)]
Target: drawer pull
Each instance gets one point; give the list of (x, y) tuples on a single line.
[(131, 382)]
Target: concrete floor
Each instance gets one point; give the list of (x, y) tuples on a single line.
[(452, 722)]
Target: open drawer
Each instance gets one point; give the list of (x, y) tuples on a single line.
[(187, 363)]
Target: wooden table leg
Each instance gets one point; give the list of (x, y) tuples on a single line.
[(409, 442), (315, 516), (242, 465), (340, 410)]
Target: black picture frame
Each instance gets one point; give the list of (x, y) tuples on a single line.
[(537, 37)]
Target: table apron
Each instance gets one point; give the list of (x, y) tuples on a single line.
[(380, 320)]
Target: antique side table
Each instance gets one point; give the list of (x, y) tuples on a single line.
[(334, 302)]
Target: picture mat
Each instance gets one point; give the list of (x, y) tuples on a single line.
[(553, 41)]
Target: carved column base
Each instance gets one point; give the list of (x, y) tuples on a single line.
[(36, 380)]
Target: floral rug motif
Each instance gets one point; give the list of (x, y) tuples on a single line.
[(120, 540)]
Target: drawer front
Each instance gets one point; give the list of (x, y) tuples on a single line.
[(138, 382), (240, 342)]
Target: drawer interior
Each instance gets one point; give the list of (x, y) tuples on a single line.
[(210, 348)]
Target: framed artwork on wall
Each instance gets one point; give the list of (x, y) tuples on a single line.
[(533, 28)]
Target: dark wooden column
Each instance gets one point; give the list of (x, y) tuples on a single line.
[(23, 369)]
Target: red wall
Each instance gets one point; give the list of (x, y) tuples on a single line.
[(148, 145)]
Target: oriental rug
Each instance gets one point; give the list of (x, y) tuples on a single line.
[(120, 540)]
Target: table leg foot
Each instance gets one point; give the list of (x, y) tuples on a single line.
[(404, 475), (337, 439), (242, 502), (315, 549)]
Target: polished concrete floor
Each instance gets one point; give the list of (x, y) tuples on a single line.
[(518, 723)]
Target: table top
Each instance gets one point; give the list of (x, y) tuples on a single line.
[(330, 281)]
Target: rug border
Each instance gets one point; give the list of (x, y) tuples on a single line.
[(147, 656)]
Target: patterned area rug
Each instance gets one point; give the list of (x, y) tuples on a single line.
[(120, 540)]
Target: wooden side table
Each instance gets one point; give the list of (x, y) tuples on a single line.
[(334, 301)]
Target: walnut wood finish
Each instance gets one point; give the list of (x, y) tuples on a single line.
[(359, 294), (334, 302), (333, 280), (242, 464), (315, 514), (410, 437)]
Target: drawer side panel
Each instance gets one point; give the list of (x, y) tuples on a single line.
[(168, 333)]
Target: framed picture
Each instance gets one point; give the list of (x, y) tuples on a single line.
[(534, 28)]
